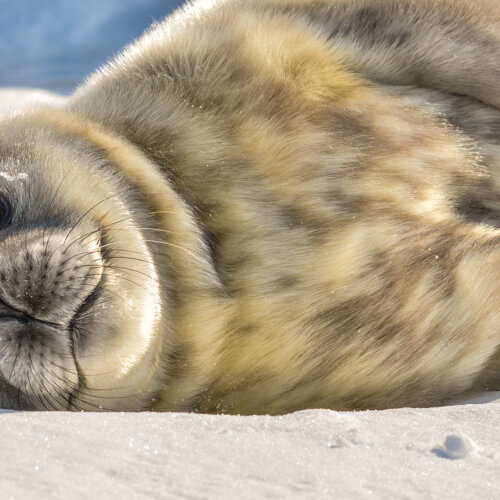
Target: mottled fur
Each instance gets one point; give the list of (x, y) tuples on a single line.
[(325, 177)]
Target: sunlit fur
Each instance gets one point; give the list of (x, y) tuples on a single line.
[(312, 190)]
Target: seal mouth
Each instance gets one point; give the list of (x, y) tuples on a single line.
[(10, 313)]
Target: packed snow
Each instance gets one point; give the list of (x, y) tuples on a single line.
[(436, 453)]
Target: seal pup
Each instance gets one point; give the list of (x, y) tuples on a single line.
[(260, 207)]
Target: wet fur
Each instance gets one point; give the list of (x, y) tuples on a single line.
[(328, 180)]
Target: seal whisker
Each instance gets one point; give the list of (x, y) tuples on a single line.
[(18, 348), (72, 372), (119, 276), (129, 269), (41, 397), (66, 395), (165, 231), (91, 288), (118, 257), (80, 254), (173, 245), (92, 208), (90, 233), (122, 250), (65, 175), (44, 359)]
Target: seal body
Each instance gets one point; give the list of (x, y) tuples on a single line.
[(262, 206)]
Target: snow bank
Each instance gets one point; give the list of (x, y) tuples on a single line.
[(13, 98), (450, 452)]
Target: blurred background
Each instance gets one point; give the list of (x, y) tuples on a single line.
[(55, 44)]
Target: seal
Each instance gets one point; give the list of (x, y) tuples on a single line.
[(260, 207)]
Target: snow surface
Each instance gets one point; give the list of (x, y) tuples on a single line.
[(449, 452), (14, 98), (409, 453)]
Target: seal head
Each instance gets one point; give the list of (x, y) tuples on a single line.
[(80, 300)]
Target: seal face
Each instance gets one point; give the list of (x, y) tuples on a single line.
[(67, 238), (260, 207)]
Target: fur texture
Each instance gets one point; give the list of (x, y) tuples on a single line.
[(314, 189)]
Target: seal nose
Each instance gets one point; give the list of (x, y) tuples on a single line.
[(48, 278)]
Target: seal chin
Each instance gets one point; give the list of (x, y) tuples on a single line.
[(106, 266), (13, 399), (37, 364)]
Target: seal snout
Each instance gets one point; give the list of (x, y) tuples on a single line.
[(48, 277)]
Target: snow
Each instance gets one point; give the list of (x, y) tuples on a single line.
[(13, 98), (449, 452), (410, 453)]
